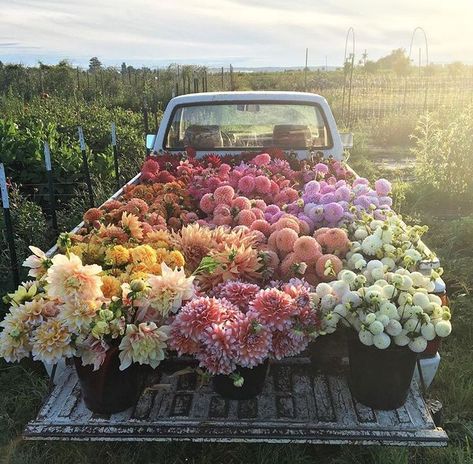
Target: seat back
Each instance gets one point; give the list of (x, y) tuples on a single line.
[(203, 137), (292, 136)]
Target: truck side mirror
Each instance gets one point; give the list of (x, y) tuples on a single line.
[(150, 139), (347, 140)]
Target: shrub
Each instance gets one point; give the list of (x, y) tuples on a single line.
[(443, 153)]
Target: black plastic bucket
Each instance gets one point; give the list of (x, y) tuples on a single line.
[(109, 390), (253, 384), (380, 378)]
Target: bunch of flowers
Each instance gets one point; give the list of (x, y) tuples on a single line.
[(336, 202), (389, 240), (397, 308), (70, 310), (244, 326), (220, 254)]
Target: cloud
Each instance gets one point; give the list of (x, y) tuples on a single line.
[(242, 32)]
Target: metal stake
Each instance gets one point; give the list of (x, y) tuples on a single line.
[(9, 227)]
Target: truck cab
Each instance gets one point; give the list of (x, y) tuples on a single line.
[(226, 123)]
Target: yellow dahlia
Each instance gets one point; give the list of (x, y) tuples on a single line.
[(51, 342), (14, 339), (110, 286), (78, 315), (118, 255), (143, 254), (69, 279), (175, 259)]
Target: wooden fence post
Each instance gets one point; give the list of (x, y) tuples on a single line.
[(85, 165), (115, 154)]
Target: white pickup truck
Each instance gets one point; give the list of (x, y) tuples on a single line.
[(233, 123)]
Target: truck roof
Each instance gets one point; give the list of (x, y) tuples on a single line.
[(248, 96)]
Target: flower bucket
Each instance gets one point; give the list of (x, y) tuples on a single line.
[(109, 390), (253, 384), (378, 378), (327, 353)]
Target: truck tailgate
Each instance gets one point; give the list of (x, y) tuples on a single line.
[(296, 406)]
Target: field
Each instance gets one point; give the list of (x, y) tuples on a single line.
[(432, 173)]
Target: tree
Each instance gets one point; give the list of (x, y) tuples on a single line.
[(396, 61), (123, 68), (95, 64)]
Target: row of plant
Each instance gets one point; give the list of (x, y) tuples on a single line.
[(232, 262)]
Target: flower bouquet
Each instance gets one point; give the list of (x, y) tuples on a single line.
[(392, 316), (76, 311), (233, 335)]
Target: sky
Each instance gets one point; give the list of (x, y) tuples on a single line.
[(245, 33)]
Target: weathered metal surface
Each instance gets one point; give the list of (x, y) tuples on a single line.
[(296, 406)]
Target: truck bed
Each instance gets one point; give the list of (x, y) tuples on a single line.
[(298, 405)]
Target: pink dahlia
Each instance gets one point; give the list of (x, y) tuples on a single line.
[(198, 314), (207, 203), (246, 218), (328, 267), (336, 242), (220, 348), (224, 195), (261, 225), (238, 293), (254, 342), (246, 184), (285, 239), (261, 160), (273, 308), (241, 203), (258, 213), (262, 184), (287, 343)]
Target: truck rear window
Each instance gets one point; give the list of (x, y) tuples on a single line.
[(240, 125)]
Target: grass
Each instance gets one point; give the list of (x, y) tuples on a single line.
[(23, 386)]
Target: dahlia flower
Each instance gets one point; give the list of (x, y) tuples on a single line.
[(236, 292), (51, 342), (14, 339), (38, 262), (131, 225), (144, 344), (254, 342), (287, 343), (68, 279), (92, 351), (166, 292), (77, 315), (273, 308)]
